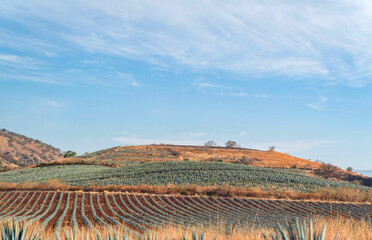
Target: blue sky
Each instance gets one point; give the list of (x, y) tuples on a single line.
[(87, 75)]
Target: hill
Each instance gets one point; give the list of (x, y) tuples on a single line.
[(155, 153), (120, 156), (19, 150), (178, 173)]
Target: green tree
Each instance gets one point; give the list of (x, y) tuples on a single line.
[(349, 169), (69, 154)]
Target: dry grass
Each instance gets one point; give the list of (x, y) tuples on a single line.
[(353, 229), (199, 153), (326, 194), (343, 227)]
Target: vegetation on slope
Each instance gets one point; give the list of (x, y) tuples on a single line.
[(119, 156), (156, 153), (178, 173), (19, 150)]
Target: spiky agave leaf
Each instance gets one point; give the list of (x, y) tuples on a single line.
[(301, 232), (17, 231)]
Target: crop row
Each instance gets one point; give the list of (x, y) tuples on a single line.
[(139, 213)]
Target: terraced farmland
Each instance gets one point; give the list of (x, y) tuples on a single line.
[(139, 213)]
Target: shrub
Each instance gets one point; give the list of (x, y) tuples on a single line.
[(69, 154), (328, 170), (231, 144), (210, 144)]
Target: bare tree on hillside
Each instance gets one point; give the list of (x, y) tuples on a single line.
[(210, 144), (328, 170), (231, 144)]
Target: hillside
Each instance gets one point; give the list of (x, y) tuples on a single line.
[(19, 150), (178, 173), (155, 153)]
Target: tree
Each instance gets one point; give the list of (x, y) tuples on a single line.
[(210, 144), (231, 144), (349, 169), (69, 154), (272, 148), (328, 170)]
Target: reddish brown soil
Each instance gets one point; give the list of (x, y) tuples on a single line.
[(153, 207), (117, 198), (111, 201), (286, 208), (87, 211), (15, 203), (105, 208), (184, 208), (32, 197), (139, 204), (79, 219), (38, 203), (67, 220), (11, 196), (53, 207), (53, 221), (98, 212)]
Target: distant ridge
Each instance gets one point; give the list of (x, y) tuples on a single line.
[(19, 150)]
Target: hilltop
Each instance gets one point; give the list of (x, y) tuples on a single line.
[(156, 153), (19, 150), (120, 156)]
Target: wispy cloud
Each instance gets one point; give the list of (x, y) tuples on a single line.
[(134, 83), (18, 61), (242, 94), (12, 58), (318, 105), (54, 104), (129, 79), (261, 96), (239, 94), (201, 83), (332, 44)]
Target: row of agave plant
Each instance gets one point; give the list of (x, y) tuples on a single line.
[(302, 230)]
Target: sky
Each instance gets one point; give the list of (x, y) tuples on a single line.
[(88, 75)]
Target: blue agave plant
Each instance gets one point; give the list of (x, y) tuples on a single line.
[(13, 230), (302, 230)]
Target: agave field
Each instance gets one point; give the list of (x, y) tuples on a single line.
[(140, 213), (179, 173)]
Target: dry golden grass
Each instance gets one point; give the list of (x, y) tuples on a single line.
[(344, 228), (353, 229), (199, 153)]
